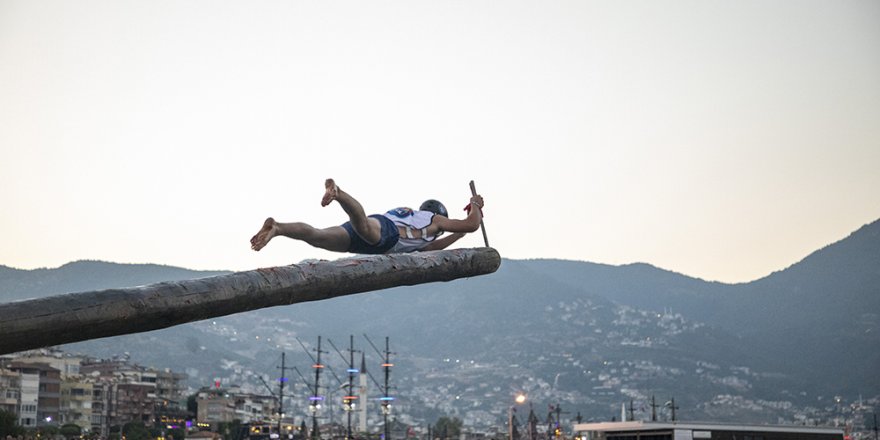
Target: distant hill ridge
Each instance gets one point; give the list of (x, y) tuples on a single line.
[(84, 275), (812, 328)]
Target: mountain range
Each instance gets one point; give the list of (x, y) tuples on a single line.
[(584, 336)]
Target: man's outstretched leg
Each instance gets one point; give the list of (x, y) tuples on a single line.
[(332, 239), (367, 228)]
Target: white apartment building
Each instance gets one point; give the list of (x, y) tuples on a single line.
[(28, 400)]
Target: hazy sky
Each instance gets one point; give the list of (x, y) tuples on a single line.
[(721, 139)]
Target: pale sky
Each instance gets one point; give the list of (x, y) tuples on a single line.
[(720, 139)]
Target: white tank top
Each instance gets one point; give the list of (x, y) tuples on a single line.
[(408, 218)]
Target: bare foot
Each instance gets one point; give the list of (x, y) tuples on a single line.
[(269, 230), (330, 193)]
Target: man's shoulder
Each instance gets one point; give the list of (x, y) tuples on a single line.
[(401, 212)]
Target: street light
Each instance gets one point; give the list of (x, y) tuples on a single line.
[(519, 400)]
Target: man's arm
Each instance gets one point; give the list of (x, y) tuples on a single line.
[(469, 224), (443, 243)]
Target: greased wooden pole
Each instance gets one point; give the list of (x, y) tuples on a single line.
[(73, 317), (482, 226)]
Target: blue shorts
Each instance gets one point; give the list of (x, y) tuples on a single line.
[(387, 240)]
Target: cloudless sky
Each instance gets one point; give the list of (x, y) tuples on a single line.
[(721, 139)]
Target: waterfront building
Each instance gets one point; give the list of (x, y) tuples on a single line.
[(638, 430), (76, 403), (44, 410), (170, 399), (170, 390), (51, 388), (217, 405), (101, 391), (215, 408), (29, 398), (123, 393), (66, 364), (10, 388)]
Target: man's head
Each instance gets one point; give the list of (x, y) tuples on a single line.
[(435, 207)]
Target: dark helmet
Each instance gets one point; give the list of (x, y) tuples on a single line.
[(435, 207)]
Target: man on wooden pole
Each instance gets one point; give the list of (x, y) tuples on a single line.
[(399, 230)]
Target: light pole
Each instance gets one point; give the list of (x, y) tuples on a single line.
[(520, 399)]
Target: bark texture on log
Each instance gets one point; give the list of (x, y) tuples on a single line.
[(82, 316)]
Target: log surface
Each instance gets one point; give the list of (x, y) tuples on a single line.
[(82, 316)]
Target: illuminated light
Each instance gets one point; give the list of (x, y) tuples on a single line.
[(520, 398), (352, 370), (350, 397), (387, 365), (313, 398), (386, 398), (318, 366), (283, 379)]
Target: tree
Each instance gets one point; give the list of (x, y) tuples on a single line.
[(9, 424), (230, 430), (136, 431), (71, 430), (447, 427), (176, 433), (302, 429), (48, 430)]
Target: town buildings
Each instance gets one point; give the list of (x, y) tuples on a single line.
[(218, 405), (51, 388), (39, 393), (10, 391)]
